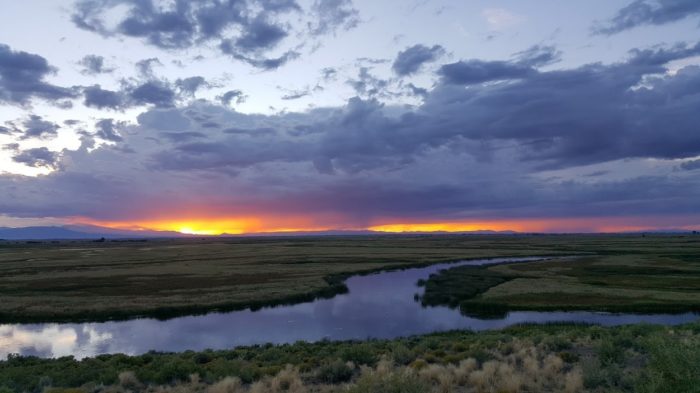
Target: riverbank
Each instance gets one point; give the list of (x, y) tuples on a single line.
[(88, 281), (559, 358)]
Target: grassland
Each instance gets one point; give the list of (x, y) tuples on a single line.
[(549, 358), (73, 281), (663, 279)]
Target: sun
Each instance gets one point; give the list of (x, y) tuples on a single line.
[(191, 231)]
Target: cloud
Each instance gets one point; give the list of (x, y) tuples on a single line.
[(153, 92), (106, 129), (331, 15), (22, 78), (232, 96), (500, 19), (648, 12), (267, 64), (97, 97), (259, 35), (145, 67), (297, 94), (367, 84), (189, 86), (94, 65), (487, 150), (479, 71), (244, 29), (690, 165), (38, 157), (538, 55), (36, 127), (410, 60)]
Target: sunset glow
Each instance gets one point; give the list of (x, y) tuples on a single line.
[(252, 225)]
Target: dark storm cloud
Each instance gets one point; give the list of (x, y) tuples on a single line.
[(181, 137), (479, 71), (232, 96), (463, 152), (93, 65), (22, 78), (106, 129), (525, 64), (649, 12), (690, 165), (97, 97), (556, 119), (38, 157), (410, 60), (36, 127), (153, 92)]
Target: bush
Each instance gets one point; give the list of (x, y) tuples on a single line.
[(674, 366), (402, 355), (334, 372), (359, 354)]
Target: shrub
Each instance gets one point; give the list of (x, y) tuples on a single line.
[(674, 366), (359, 354), (334, 372), (402, 355)]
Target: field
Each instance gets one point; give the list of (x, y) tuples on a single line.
[(648, 279), (118, 279), (84, 280), (549, 358)]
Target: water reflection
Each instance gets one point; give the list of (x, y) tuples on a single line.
[(377, 306)]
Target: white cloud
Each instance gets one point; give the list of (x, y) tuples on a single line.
[(501, 19)]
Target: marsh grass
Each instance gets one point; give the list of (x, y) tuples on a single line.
[(84, 281), (662, 279)]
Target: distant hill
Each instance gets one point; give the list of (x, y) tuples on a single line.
[(76, 232)]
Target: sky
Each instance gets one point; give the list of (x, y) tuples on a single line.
[(243, 116)]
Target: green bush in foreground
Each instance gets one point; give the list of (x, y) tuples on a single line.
[(555, 358)]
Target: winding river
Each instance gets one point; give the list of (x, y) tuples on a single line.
[(380, 305)]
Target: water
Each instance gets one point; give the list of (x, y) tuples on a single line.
[(380, 305)]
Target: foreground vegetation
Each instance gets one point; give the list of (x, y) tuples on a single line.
[(556, 358), (84, 280), (664, 279)]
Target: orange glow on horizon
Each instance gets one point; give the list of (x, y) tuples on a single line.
[(449, 227), (284, 224), (215, 227)]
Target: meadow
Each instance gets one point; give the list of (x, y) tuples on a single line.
[(646, 281), (546, 358), (87, 280)]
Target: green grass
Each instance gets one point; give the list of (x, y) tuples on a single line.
[(659, 276), (82, 280), (635, 358)]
